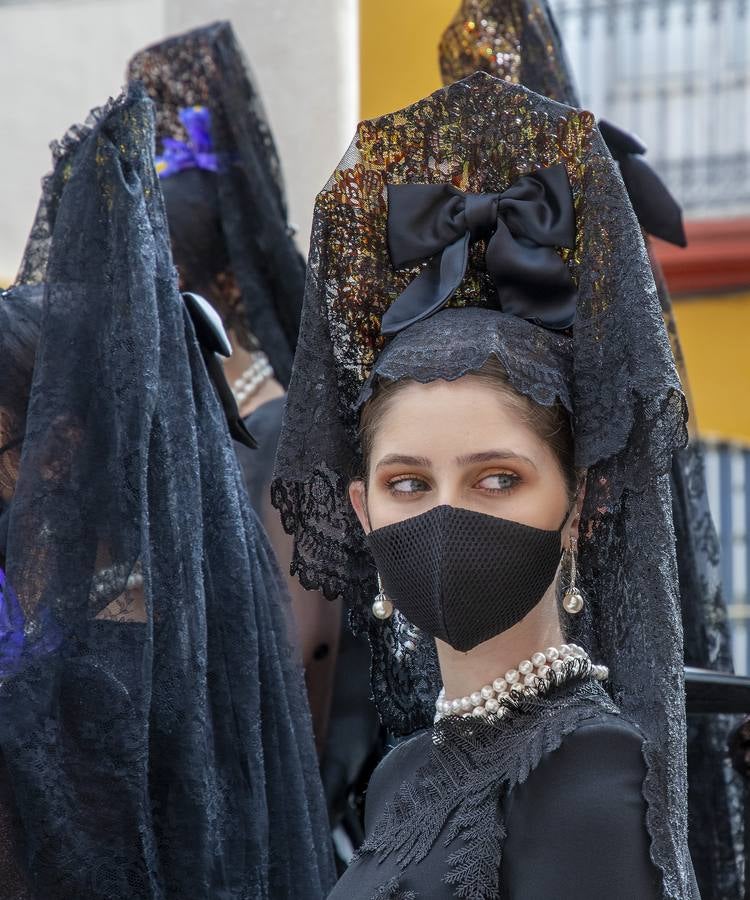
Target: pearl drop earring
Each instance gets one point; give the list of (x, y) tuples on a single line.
[(382, 608), (573, 600)]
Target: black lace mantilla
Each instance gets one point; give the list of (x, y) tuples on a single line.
[(539, 363), (516, 40), (471, 766)]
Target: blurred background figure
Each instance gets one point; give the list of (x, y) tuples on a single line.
[(155, 739), (232, 243), (223, 188), (20, 321)]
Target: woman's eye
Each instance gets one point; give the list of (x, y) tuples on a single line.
[(407, 485), (502, 481)]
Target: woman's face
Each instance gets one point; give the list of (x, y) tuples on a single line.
[(460, 443)]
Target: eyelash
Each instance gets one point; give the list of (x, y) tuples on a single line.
[(391, 485), (513, 479)]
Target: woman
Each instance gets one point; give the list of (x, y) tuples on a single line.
[(518, 41), (154, 734), (469, 493), (224, 193), (448, 513)]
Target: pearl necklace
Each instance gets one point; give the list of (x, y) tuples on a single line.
[(108, 583), (525, 680), (255, 375)]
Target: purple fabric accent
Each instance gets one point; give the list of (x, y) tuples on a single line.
[(196, 152), (14, 645), (11, 628)]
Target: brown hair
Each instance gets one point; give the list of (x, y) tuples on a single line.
[(550, 423), (199, 248)]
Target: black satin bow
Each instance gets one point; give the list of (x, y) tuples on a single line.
[(523, 226), (657, 211), (214, 342)]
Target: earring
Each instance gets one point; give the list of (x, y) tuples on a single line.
[(573, 598), (382, 608)]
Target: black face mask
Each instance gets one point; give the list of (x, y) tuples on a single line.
[(462, 576)]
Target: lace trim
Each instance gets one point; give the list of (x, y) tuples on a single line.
[(33, 267), (542, 376), (392, 890)]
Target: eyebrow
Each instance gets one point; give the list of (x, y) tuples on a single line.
[(471, 459), (398, 459), (490, 455)]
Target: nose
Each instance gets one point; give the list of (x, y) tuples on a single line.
[(449, 495)]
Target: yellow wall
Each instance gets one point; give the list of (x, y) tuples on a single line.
[(398, 51), (715, 336)]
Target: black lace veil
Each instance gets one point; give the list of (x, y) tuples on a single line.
[(153, 721), (482, 134), (20, 318), (207, 67), (518, 41)]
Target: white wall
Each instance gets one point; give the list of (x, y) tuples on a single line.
[(57, 61), (59, 58)]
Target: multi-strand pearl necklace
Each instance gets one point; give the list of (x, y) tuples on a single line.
[(108, 583), (524, 680), (256, 374)]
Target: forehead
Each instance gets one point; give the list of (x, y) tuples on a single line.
[(456, 417)]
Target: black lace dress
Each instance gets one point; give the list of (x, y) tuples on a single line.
[(546, 802)]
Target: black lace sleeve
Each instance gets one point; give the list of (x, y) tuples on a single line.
[(580, 820)]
